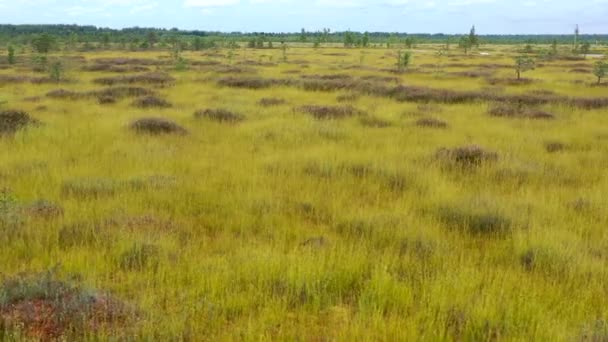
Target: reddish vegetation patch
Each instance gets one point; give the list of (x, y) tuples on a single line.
[(45, 308)]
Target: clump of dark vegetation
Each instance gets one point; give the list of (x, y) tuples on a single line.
[(64, 94), (347, 97), (140, 257), (329, 112), (431, 123), (332, 77), (122, 92), (89, 188), (104, 99), (475, 222), (374, 122), (157, 126), (43, 210), (510, 81), (271, 101), (115, 68), (129, 61), (249, 83), (510, 110), (151, 102), (418, 94), (44, 307), (554, 146), (13, 120), (466, 156), (220, 115), (157, 78)]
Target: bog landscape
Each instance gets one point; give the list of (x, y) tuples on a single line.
[(322, 186)]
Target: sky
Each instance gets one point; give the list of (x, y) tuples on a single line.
[(410, 16)]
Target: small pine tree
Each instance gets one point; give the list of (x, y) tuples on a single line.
[(585, 48), (56, 71), (523, 64), (11, 55), (403, 60), (284, 48), (599, 70), (465, 44)]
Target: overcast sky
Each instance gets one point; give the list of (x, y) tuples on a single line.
[(413, 16)]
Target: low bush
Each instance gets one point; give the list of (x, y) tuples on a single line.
[(13, 120), (157, 126), (220, 115)]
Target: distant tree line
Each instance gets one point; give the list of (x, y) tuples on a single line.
[(45, 37)]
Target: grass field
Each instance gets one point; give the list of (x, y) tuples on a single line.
[(321, 197)]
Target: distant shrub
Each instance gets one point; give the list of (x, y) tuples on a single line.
[(105, 99), (156, 126), (347, 97), (554, 146), (13, 120), (123, 91), (271, 101), (431, 123), (220, 115), (64, 94), (329, 112), (374, 122), (474, 221), (248, 83), (151, 102), (158, 78), (466, 156), (514, 110)]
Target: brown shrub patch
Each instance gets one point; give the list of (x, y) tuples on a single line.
[(347, 98), (64, 94), (471, 155), (271, 101), (431, 123), (554, 146), (220, 115), (13, 120), (374, 122), (123, 91), (157, 126), (248, 83), (510, 110), (158, 78), (329, 112), (510, 81), (151, 102)]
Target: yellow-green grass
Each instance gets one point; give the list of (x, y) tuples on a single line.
[(237, 203)]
